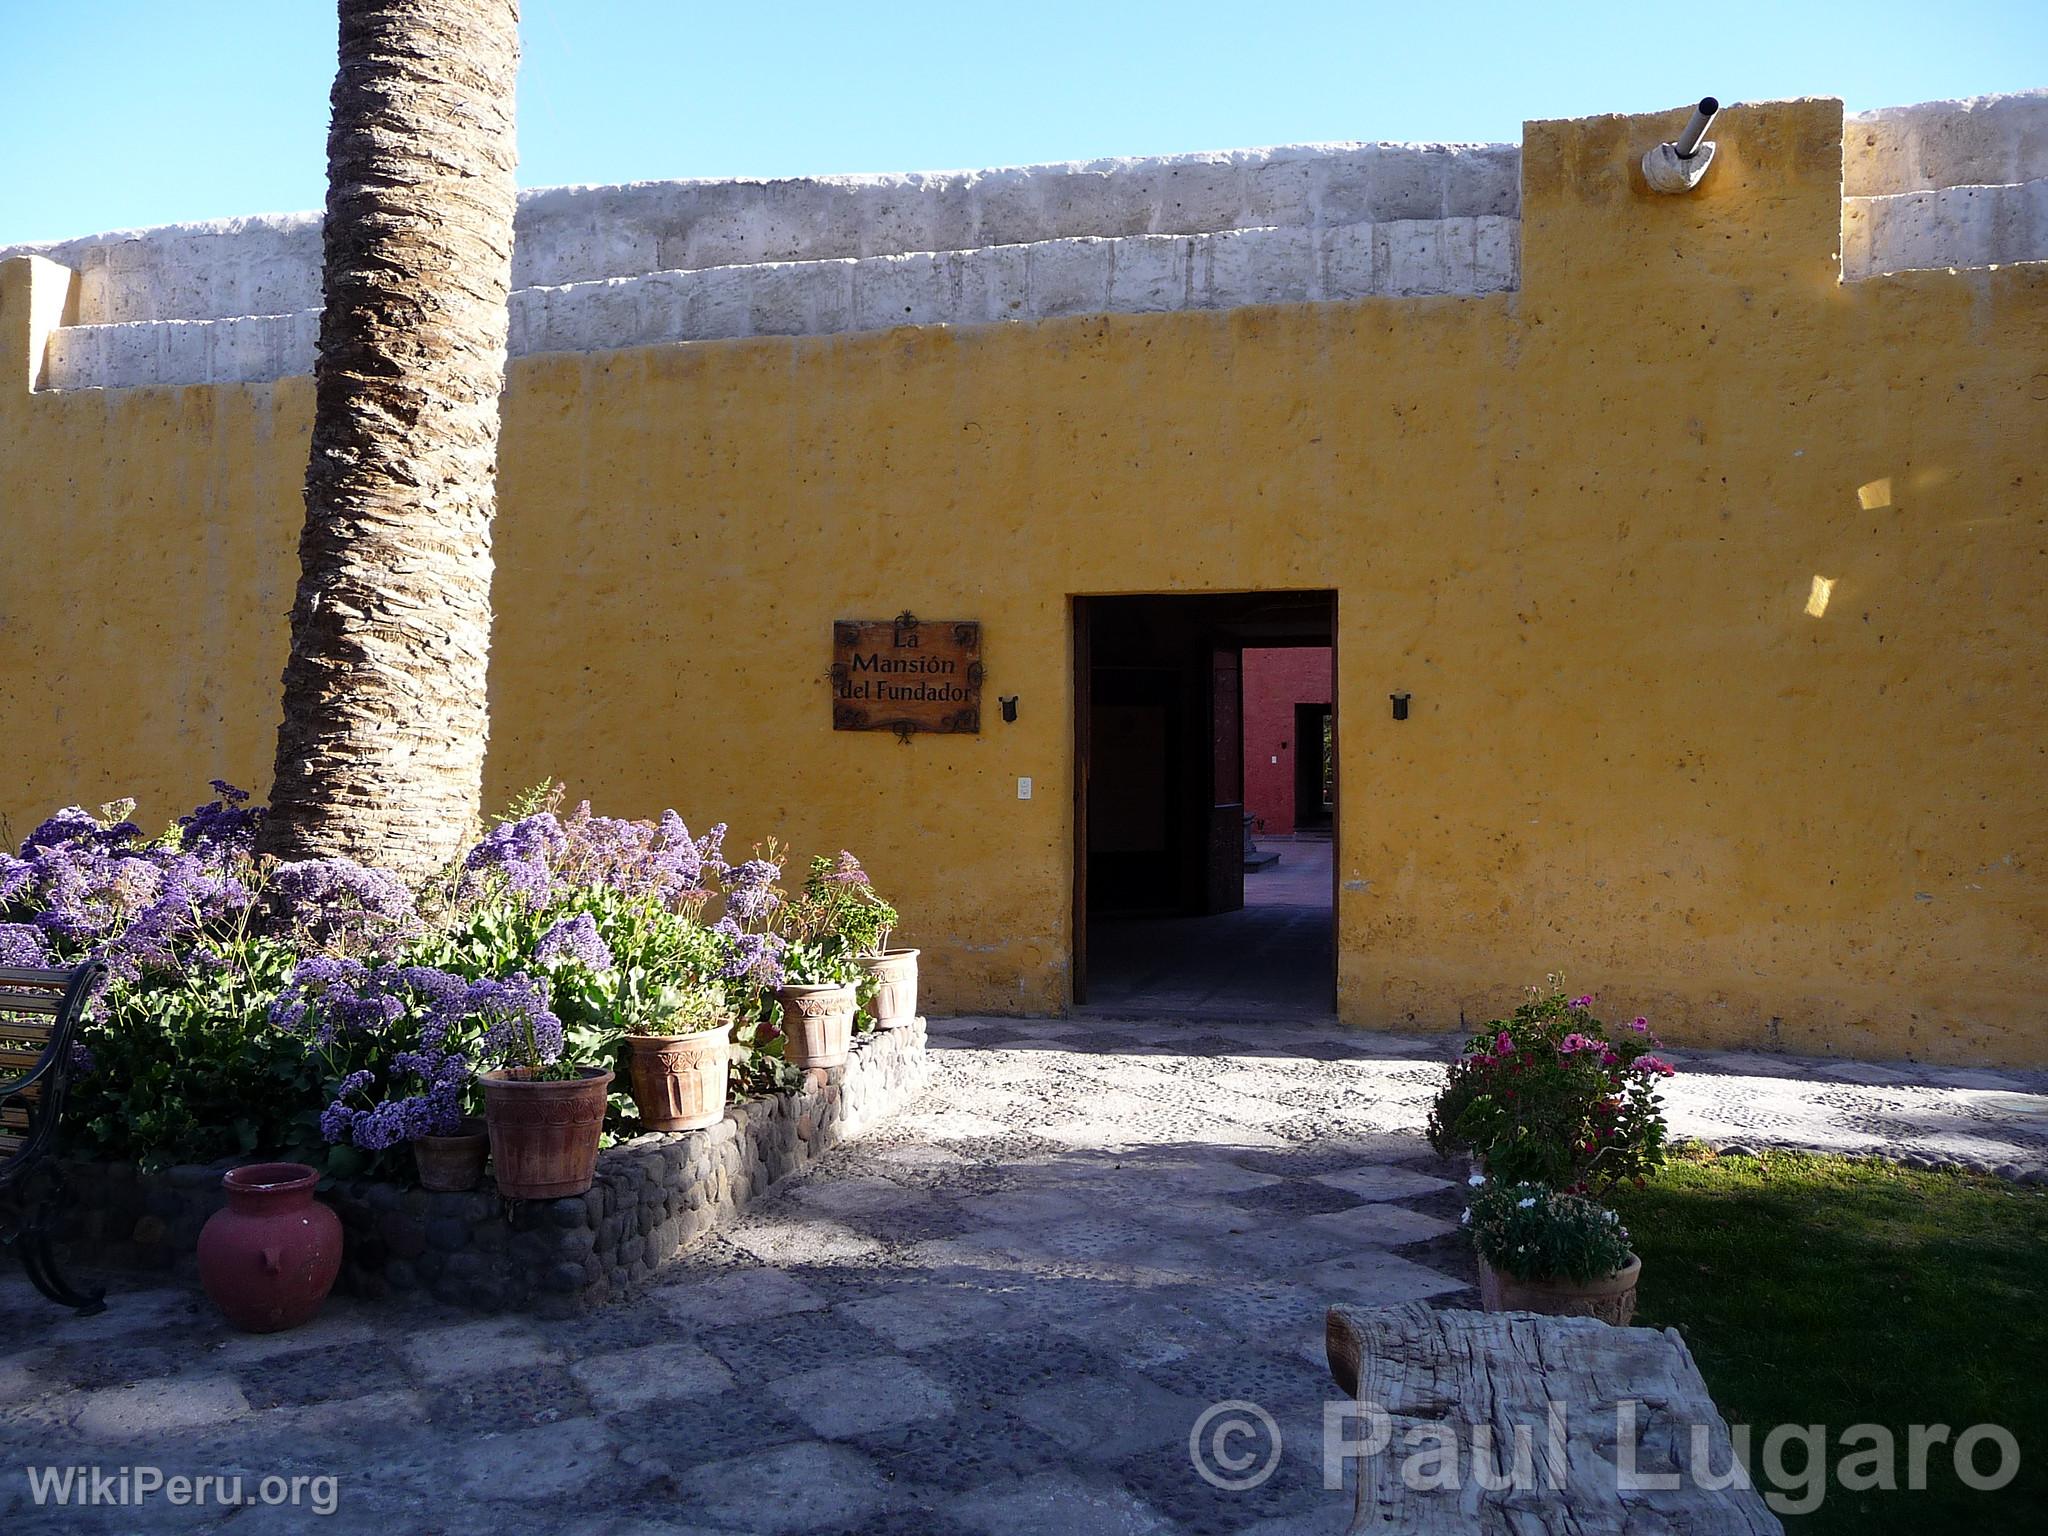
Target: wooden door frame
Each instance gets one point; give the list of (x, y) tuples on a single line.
[(1084, 710)]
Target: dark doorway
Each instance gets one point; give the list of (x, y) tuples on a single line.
[(1315, 768), (1170, 914)]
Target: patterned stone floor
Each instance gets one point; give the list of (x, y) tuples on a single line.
[(1002, 1313)]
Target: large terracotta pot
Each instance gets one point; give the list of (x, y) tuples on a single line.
[(679, 1081), (1611, 1298), (895, 974), (269, 1258), (817, 1023), (544, 1133), (452, 1164)]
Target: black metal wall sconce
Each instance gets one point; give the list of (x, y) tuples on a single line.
[(1009, 703), (1400, 705)]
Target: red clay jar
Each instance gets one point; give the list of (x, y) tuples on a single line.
[(269, 1259)]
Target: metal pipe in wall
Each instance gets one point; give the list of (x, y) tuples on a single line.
[(1688, 142)]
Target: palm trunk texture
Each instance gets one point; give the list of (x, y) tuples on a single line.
[(380, 753)]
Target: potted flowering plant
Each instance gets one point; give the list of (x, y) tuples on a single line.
[(396, 1043), (1558, 1254), (1550, 1097), (545, 1114), (651, 978), (678, 1046), (817, 1001), (846, 904)]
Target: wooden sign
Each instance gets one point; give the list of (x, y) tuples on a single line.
[(906, 674)]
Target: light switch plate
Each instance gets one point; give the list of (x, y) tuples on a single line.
[(1023, 789)]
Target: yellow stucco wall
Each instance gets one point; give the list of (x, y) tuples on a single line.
[(1581, 523)]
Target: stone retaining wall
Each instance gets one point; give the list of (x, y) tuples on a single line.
[(555, 1257)]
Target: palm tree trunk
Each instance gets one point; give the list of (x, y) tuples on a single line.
[(380, 754)]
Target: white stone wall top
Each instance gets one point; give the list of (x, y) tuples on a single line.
[(1953, 183), (1973, 141), (271, 264), (1134, 274)]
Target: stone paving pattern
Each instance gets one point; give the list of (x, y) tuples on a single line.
[(1001, 1312)]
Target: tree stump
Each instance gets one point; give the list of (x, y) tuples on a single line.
[(1510, 1424)]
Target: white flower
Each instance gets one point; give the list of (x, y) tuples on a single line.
[(1611, 1216), (1476, 1180), (1525, 1202), (1465, 1220)]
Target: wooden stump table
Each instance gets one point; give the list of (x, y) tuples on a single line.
[(1516, 1425)]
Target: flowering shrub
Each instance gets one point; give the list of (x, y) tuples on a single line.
[(323, 1010), (1548, 1097), (840, 902), (1533, 1232)]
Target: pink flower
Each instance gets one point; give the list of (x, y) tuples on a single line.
[(1639, 1023), (1583, 1002), (1502, 1043), (1575, 1042), (1651, 1066)]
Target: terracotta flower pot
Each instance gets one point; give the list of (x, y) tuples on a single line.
[(679, 1081), (269, 1258), (817, 1023), (895, 974), (1611, 1298), (544, 1133), (452, 1164)]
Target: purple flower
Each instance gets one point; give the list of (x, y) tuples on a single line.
[(576, 941), (75, 827), (638, 858), (518, 1028), (846, 870), (16, 876), (22, 944), (522, 852), (226, 824), (755, 958), (331, 998), (340, 900), (1639, 1024), (750, 894), (1583, 1002), (436, 1111)]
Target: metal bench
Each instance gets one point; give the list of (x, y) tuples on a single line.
[(39, 1016)]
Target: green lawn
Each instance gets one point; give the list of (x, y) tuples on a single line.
[(1838, 1291)]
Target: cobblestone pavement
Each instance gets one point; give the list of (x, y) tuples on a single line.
[(1003, 1312)]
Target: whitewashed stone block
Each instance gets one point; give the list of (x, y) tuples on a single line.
[(994, 283), (302, 344), (1409, 255), (188, 351), (723, 303), (1068, 277), (1347, 262), (1259, 266), (1149, 273), (1484, 181), (900, 290), (1497, 254), (1282, 192), (71, 359)]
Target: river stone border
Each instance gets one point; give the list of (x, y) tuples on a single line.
[(555, 1258)]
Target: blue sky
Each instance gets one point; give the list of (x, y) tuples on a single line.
[(130, 112)]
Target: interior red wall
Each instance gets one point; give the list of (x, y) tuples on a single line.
[(1275, 680)]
